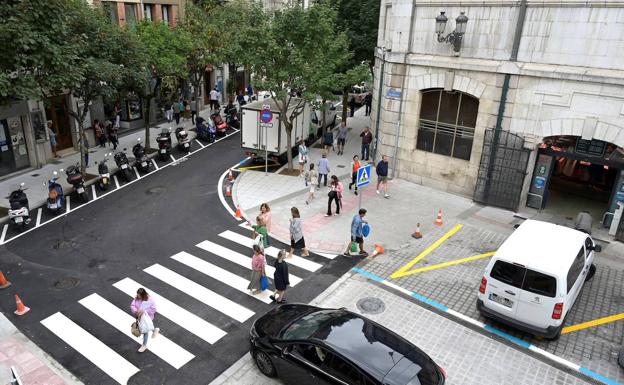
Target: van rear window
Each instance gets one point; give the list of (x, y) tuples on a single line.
[(525, 279)]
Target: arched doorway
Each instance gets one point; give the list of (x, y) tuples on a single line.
[(573, 174)]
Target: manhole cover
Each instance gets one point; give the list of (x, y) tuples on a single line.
[(371, 305), (66, 283), (156, 190)]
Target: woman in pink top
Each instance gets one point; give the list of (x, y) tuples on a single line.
[(144, 304), (335, 193), (258, 262), (265, 214)]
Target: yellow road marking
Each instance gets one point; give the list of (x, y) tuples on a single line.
[(402, 272), (451, 263), (261, 166), (592, 323)]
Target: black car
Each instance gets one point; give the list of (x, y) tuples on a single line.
[(304, 344)]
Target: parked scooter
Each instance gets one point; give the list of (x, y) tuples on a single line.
[(56, 199), (206, 130), (164, 143), (75, 178), (219, 123), (18, 213), (142, 161), (183, 140), (231, 118), (104, 180), (124, 166)]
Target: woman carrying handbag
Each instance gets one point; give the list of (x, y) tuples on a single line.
[(335, 194), (258, 263), (144, 309)]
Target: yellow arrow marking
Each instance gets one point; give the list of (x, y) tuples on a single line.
[(451, 263), (403, 271), (589, 324)]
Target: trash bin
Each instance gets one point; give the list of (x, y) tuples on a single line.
[(583, 222)]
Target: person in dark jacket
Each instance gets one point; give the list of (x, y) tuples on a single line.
[(280, 277), (368, 101), (382, 175), (352, 105)]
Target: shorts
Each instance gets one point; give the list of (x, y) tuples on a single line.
[(341, 142), (300, 244), (382, 179), (357, 239)]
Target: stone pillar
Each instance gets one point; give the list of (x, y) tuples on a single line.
[(174, 15), (121, 14), (157, 12)]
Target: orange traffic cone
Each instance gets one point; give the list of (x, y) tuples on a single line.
[(228, 190), (230, 175), (21, 309), (378, 250), (238, 212), (417, 234), (438, 221), (3, 282)]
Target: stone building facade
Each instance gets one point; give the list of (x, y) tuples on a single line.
[(557, 66)]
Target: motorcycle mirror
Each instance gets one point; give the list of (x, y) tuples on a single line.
[(22, 184), (61, 170), (139, 140), (56, 173)]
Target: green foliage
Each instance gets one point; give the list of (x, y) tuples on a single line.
[(359, 19), (164, 48)]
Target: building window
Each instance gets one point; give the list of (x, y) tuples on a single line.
[(147, 11), (110, 8), (166, 14), (131, 13), (447, 122)]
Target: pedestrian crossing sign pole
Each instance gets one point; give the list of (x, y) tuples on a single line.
[(363, 178)]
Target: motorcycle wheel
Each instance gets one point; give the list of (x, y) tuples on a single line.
[(126, 175), (85, 197), (22, 227)]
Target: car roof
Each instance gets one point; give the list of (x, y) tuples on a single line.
[(542, 246)]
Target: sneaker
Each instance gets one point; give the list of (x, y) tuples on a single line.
[(142, 349), (355, 192), (272, 298), (155, 332), (328, 215), (387, 196), (336, 214), (377, 191)]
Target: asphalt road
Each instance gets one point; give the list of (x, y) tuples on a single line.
[(113, 241)]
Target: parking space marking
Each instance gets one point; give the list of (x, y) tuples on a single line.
[(116, 180), (155, 164), (452, 263), (136, 172), (67, 204), (93, 191), (405, 270), (38, 223), (200, 143), (592, 323), (172, 158), (4, 230)]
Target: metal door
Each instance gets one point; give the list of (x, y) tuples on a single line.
[(502, 170), (619, 234)]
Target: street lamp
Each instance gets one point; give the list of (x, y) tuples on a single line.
[(454, 37)]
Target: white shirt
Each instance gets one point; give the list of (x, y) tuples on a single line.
[(214, 95)]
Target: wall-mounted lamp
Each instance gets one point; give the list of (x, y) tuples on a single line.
[(454, 37)]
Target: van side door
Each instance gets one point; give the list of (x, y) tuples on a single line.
[(575, 278)]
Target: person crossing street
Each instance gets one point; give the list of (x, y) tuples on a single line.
[(382, 175)]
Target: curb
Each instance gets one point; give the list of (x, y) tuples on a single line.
[(556, 360)]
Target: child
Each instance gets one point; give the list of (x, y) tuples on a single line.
[(311, 181), (260, 229)]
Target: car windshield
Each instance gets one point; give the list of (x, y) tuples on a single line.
[(306, 326)]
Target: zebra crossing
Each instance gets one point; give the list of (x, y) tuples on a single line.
[(212, 274)]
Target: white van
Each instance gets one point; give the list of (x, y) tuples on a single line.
[(535, 277)]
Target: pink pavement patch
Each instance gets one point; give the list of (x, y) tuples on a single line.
[(31, 369)]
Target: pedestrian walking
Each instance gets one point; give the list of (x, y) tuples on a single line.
[(250, 92), (85, 147), (355, 165), (303, 156), (169, 111), (100, 134), (342, 137), (323, 170), (193, 110), (176, 112), (260, 230), (112, 135), (258, 264), (280, 277), (368, 102), (352, 105), (214, 99), (187, 110), (296, 234), (117, 117), (144, 309), (52, 136), (311, 182), (240, 99), (357, 236), (382, 175), (367, 139), (265, 214), (328, 140), (334, 194)]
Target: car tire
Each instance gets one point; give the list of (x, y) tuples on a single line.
[(264, 363), (590, 274)]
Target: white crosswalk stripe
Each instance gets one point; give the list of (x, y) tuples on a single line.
[(189, 321), (271, 251), (200, 293), (239, 259), (222, 275), (161, 346), (91, 348)]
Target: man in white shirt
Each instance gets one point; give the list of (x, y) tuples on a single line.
[(214, 99)]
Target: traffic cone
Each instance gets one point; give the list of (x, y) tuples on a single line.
[(438, 221), (21, 309), (228, 190), (3, 282), (238, 212), (417, 234), (230, 176), (378, 250)]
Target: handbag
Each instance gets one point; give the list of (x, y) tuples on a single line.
[(354, 247), (145, 324), (264, 283), (331, 194), (134, 329)]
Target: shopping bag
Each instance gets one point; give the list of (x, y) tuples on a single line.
[(258, 241), (354, 247), (264, 283), (145, 324), (134, 329), (365, 230)]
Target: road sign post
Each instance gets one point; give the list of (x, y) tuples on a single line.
[(363, 178), (266, 116)]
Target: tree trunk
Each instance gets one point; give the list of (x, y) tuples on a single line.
[(79, 119), (147, 106), (288, 128), (345, 102)]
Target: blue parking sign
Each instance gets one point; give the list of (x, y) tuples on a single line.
[(363, 175)]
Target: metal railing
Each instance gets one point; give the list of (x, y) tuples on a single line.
[(446, 128)]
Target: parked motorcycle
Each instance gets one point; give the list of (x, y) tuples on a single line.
[(104, 180), (124, 166), (231, 118), (205, 130), (75, 178), (18, 213), (164, 143), (56, 199), (142, 161), (219, 123), (183, 140)]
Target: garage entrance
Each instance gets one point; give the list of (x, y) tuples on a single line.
[(573, 174)]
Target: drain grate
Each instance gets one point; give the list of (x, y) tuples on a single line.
[(66, 283), (371, 305)]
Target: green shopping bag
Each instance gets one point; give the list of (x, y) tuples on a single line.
[(354, 247)]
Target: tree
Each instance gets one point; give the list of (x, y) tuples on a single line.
[(164, 51), (301, 53)]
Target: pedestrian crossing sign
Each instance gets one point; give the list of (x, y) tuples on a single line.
[(363, 175)]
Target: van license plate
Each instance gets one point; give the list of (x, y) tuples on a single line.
[(18, 219), (80, 190), (52, 205), (186, 145), (163, 151), (124, 166), (501, 300), (144, 164)]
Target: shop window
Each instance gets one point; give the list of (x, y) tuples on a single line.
[(131, 13), (447, 122)]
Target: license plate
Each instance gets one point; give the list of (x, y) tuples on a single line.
[(124, 166), (105, 180), (144, 164), (501, 300), (186, 145), (163, 151), (52, 205), (19, 219), (80, 190)]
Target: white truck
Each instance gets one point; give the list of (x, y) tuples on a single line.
[(255, 137)]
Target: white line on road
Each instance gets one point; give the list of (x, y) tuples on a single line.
[(222, 275), (220, 189), (67, 204), (200, 143), (136, 172), (4, 230), (161, 346), (155, 164), (116, 181), (271, 251), (239, 259), (38, 223), (189, 321), (93, 191), (172, 158), (91, 348), (200, 293)]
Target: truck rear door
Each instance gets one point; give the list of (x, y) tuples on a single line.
[(250, 135)]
